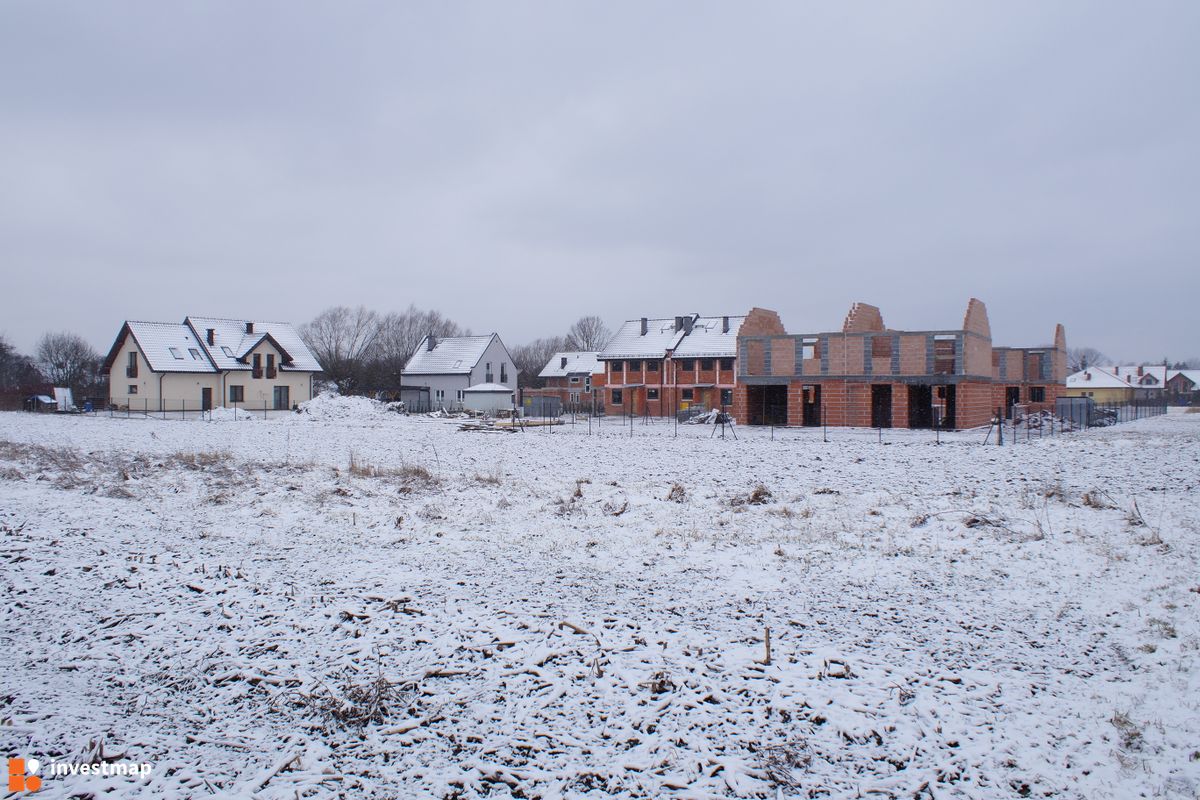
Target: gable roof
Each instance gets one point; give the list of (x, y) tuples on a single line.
[(1129, 373), (710, 339), (1096, 378), (454, 355), (582, 362), (663, 336), (1192, 375), (231, 334), (166, 346)]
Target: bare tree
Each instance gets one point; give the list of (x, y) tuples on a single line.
[(399, 335), (1080, 358), (531, 358), (66, 359), (588, 333), (342, 339), (17, 371)]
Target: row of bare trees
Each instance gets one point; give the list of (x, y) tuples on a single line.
[(588, 333), (60, 359), (362, 350)]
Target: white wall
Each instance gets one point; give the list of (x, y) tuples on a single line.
[(497, 355)]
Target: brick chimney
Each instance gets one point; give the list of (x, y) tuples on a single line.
[(210, 336), (724, 324), (645, 326), (430, 342), (562, 363), (249, 327)]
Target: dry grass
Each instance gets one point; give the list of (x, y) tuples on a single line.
[(408, 474), (760, 495)]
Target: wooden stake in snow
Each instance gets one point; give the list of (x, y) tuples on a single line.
[(766, 661)]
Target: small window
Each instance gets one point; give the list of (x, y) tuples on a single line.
[(809, 348), (1037, 394), (727, 365), (706, 364), (727, 397), (133, 388), (574, 379), (652, 366), (686, 394), (460, 395), (237, 394), (635, 366), (687, 364), (652, 394), (617, 366), (195, 353), (228, 353), (457, 364), (175, 352), (617, 397)]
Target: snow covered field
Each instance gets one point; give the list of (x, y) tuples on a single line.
[(366, 605)]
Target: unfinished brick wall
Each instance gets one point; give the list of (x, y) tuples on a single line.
[(863, 318), (1058, 363), (762, 322)]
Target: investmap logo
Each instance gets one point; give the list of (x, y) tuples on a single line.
[(23, 772), (22, 775)]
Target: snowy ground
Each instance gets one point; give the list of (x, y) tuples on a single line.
[(548, 614)]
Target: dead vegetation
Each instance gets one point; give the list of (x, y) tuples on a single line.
[(357, 703), (677, 493), (409, 475), (758, 496)]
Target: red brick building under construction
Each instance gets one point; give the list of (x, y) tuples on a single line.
[(868, 375), (655, 367)]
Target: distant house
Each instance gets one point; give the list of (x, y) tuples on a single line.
[(450, 366), (204, 362), (1101, 384), (568, 377), (1148, 380), (1183, 387), (659, 366)]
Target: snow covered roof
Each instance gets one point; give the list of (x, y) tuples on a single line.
[(489, 387), (563, 364), (661, 336), (708, 337), (1096, 378), (1146, 377), (1192, 375), (166, 346), (183, 346), (454, 355), (233, 339), (711, 337)]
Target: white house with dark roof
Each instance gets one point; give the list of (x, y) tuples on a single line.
[(206, 362), (451, 365)]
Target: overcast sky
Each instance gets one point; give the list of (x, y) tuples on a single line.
[(518, 165)]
